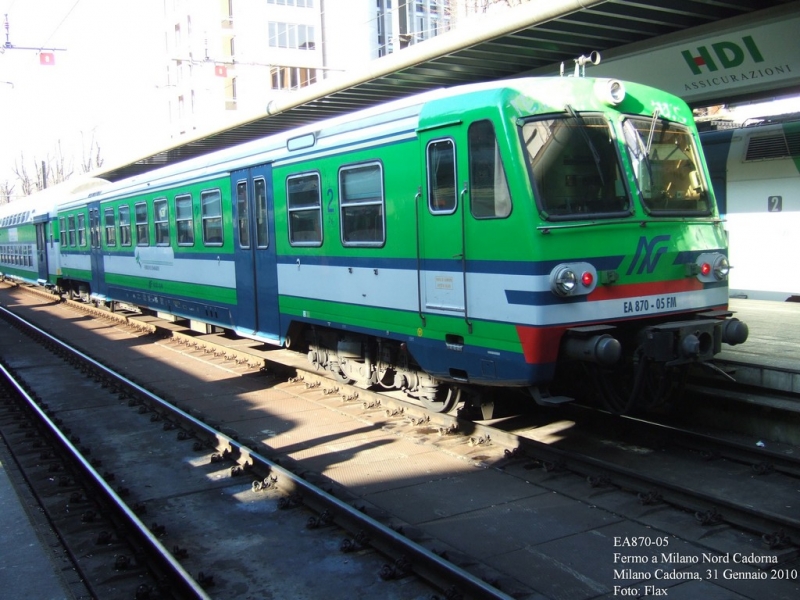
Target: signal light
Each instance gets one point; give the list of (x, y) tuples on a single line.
[(573, 279), (710, 267)]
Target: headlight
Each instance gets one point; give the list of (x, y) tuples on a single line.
[(610, 91), (721, 268), (573, 279), (563, 281), (711, 267)]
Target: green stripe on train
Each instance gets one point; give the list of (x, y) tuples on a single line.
[(191, 291), (10, 271), (79, 274), (498, 336)]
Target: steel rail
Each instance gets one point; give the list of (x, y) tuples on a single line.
[(748, 518), (189, 588), (425, 563)]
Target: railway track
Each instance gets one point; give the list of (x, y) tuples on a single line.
[(225, 455), (557, 454)]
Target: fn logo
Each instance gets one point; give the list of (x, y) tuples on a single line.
[(648, 253)]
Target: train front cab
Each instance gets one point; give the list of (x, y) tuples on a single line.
[(638, 287)]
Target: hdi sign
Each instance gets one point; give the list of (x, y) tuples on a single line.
[(757, 55), (728, 54)]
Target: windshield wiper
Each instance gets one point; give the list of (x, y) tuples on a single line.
[(656, 114), (588, 141)]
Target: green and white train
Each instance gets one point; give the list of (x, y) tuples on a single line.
[(483, 235)]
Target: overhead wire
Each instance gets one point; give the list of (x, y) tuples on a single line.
[(69, 12)]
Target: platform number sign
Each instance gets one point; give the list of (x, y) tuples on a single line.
[(775, 204)]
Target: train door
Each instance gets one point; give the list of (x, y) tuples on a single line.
[(256, 265), (441, 228), (41, 247), (96, 251)]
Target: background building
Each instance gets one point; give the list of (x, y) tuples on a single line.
[(226, 59)]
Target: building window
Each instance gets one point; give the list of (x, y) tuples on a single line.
[(292, 78), (305, 210), (297, 3), (211, 203), (125, 226), (361, 199), (184, 220), (161, 221), (142, 226), (291, 35), (111, 228)]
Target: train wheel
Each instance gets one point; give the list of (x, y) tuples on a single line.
[(444, 400), (338, 373)]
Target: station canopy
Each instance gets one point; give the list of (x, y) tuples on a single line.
[(533, 37)]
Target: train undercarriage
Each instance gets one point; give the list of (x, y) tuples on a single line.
[(654, 360), (366, 362), (626, 369)]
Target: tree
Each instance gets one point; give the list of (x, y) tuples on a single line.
[(22, 175), (54, 168), (91, 157), (6, 191)]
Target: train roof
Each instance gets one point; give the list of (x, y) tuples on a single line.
[(405, 114), (43, 203)]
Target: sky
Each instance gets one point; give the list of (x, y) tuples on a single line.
[(104, 83)]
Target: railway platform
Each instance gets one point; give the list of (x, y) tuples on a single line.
[(33, 563), (770, 357)]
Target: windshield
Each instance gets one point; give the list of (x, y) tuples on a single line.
[(575, 167), (665, 164)]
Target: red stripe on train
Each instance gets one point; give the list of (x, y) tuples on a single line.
[(540, 344)]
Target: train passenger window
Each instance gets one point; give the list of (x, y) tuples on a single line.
[(142, 225), (488, 188), (242, 216), (211, 203), (305, 209), (184, 220), (71, 229), (442, 192), (161, 221), (62, 231), (125, 226), (81, 229), (262, 225), (111, 228), (361, 200)]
